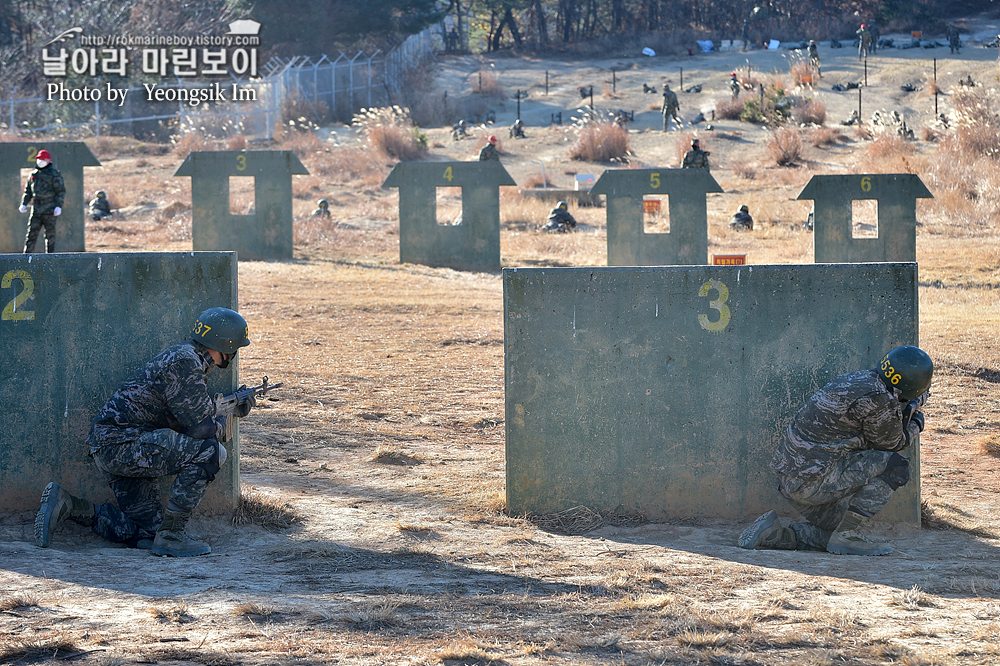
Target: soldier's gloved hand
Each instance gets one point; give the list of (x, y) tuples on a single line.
[(897, 471), (918, 418), (57, 211), (23, 209), (244, 407)]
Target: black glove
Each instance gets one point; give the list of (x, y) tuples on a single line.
[(244, 407), (897, 471), (918, 418)]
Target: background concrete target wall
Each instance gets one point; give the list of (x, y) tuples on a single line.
[(473, 245), (665, 391), (629, 244), (69, 157), (73, 327), (267, 233), (896, 196)]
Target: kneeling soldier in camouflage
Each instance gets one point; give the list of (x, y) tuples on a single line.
[(161, 422), (837, 463)]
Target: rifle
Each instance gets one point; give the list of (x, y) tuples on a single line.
[(226, 405), (913, 406)]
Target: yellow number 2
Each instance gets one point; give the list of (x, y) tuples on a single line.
[(718, 304), (447, 175), (12, 312)]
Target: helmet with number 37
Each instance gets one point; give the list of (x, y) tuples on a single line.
[(221, 329), (908, 370)]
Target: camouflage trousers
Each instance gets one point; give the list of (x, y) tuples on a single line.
[(849, 483), (133, 471), (35, 224), (667, 115)]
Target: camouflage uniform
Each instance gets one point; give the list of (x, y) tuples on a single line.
[(100, 208), (670, 108), (321, 212), (696, 158), (864, 42), (734, 86), (833, 451), (161, 422), (45, 191), (953, 38), (559, 221), (814, 57), (489, 152), (741, 220)]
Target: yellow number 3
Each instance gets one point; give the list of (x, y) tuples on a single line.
[(241, 162), (718, 304)]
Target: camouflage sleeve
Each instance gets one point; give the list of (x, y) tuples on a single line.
[(882, 423), (186, 393), (58, 189)]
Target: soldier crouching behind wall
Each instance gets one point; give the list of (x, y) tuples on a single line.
[(161, 422), (838, 462), (560, 220)]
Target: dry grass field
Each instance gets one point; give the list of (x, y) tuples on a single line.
[(373, 528)]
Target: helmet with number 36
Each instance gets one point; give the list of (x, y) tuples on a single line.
[(221, 329), (906, 369)]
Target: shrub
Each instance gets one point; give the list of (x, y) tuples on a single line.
[(745, 170), (390, 131), (800, 67), (297, 108), (189, 142), (785, 146), (537, 180), (773, 108), (487, 82), (812, 112), (237, 142), (599, 140), (825, 136), (729, 108)]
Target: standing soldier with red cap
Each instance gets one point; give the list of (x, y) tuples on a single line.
[(45, 192), (489, 151)]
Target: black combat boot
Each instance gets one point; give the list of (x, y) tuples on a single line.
[(57, 506), (173, 541), (767, 533), (845, 540)]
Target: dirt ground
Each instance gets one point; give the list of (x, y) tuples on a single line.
[(375, 478)]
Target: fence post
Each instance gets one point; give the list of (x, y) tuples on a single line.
[(359, 54), (372, 57), (13, 128)]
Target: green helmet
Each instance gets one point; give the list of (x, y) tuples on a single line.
[(744, 208), (101, 194), (563, 205), (907, 369), (221, 329), (323, 203)]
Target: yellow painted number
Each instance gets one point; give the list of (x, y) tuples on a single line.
[(448, 175), (13, 311), (241, 162), (201, 329), (654, 180), (32, 152), (890, 372), (866, 183), (718, 304)]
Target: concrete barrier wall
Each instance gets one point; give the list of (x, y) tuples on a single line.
[(473, 245), (267, 233), (70, 157), (686, 190), (665, 391), (73, 327), (896, 197)]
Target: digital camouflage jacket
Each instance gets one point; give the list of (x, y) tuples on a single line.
[(44, 190)]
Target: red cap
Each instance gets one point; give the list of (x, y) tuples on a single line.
[(862, 25), (43, 155), (492, 139), (732, 73)]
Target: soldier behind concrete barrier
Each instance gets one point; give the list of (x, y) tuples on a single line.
[(560, 221), (837, 463), (322, 209), (670, 108), (517, 130), (741, 219), (696, 158), (45, 192), (490, 151), (100, 207), (161, 422)]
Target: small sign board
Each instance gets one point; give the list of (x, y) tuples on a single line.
[(650, 206), (729, 259), (807, 79), (917, 34), (584, 181)]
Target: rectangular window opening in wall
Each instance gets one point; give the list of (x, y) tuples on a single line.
[(241, 195), (655, 215), (864, 218), (449, 206)]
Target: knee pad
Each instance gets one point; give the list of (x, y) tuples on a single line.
[(211, 466)]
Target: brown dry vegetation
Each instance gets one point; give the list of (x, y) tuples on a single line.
[(383, 457)]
